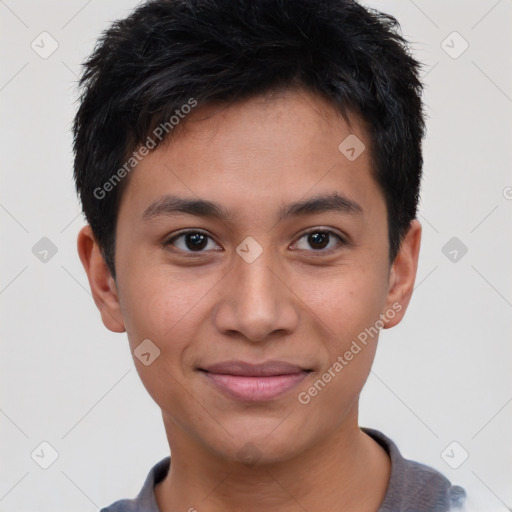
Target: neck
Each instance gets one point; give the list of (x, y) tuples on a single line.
[(347, 470)]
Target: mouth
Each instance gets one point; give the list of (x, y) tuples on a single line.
[(254, 382)]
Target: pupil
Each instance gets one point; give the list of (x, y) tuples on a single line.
[(195, 241), (319, 238)]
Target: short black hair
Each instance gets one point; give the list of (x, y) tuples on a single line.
[(168, 53)]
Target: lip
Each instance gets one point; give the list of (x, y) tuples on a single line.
[(254, 382)]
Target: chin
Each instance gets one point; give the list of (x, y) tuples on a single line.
[(259, 443)]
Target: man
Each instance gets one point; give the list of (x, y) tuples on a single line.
[(250, 173)]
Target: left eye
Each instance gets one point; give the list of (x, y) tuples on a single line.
[(319, 240)]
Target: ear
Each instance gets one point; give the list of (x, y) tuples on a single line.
[(402, 276), (103, 286)]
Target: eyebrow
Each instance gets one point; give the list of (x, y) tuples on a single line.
[(170, 205)]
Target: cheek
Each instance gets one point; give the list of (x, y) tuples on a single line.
[(161, 307), (346, 301), (349, 307)]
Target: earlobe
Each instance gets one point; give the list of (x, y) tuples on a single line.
[(402, 276), (103, 286)]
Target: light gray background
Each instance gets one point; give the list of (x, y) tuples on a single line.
[(443, 375)]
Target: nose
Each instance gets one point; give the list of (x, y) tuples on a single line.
[(256, 302)]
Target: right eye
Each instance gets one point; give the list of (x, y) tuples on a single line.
[(191, 241)]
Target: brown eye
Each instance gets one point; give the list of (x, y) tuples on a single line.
[(195, 241), (319, 240), (192, 241)]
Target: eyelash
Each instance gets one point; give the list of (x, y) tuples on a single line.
[(320, 252)]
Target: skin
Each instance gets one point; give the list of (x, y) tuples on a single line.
[(293, 303)]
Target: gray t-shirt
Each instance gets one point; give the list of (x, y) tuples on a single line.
[(413, 487)]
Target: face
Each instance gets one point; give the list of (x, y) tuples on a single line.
[(286, 263)]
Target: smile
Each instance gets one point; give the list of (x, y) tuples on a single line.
[(254, 383)]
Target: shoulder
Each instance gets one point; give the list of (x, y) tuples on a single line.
[(145, 501), (416, 487)]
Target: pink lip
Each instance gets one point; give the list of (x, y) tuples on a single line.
[(254, 382)]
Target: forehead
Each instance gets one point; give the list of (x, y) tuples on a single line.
[(278, 148)]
